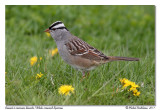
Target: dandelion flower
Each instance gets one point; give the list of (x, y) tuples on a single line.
[(136, 94), (125, 82), (53, 52), (132, 89), (33, 60), (66, 89), (39, 75), (133, 86)]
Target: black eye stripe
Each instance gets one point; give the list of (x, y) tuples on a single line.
[(59, 22), (60, 28)]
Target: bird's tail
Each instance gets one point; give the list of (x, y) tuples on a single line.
[(115, 58)]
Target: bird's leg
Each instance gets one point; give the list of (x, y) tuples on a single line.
[(83, 75)]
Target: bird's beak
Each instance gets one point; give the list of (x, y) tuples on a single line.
[(47, 30)]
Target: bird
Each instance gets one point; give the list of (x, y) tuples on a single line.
[(76, 52)]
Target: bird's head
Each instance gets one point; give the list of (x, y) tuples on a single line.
[(56, 29)]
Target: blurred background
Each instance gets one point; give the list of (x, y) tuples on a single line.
[(115, 30), (120, 26)]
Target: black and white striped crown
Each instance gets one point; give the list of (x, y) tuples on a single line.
[(57, 25)]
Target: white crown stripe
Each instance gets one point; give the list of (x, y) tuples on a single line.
[(59, 25)]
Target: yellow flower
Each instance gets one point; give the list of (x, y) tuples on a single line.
[(134, 90), (125, 82), (53, 52), (66, 89), (5, 72), (137, 93), (133, 86), (48, 34), (39, 75), (33, 60)]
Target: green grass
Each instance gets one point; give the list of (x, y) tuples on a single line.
[(115, 30)]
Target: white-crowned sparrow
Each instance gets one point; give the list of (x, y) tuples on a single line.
[(78, 53)]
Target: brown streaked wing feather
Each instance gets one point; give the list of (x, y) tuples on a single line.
[(78, 52), (92, 56), (84, 50)]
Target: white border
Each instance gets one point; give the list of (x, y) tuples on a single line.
[(2, 56), (76, 2), (80, 2), (157, 54)]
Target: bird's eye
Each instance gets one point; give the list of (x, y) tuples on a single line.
[(53, 29)]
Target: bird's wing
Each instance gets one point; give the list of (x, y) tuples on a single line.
[(77, 47)]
